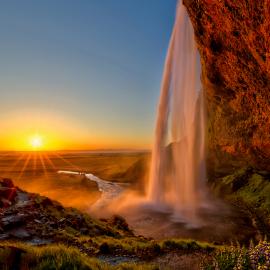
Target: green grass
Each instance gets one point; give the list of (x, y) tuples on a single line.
[(188, 245), (54, 257), (142, 247)]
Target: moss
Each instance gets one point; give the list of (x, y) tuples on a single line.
[(257, 192), (248, 185)]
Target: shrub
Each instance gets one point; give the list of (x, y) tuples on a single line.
[(237, 258)]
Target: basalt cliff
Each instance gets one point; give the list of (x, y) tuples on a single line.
[(233, 38)]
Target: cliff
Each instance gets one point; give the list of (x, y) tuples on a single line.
[(233, 38)]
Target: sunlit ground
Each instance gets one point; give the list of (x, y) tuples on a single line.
[(36, 171)]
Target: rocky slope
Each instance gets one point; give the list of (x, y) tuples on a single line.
[(36, 231), (234, 43), (39, 220)]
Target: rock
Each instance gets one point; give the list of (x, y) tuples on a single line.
[(20, 233), (5, 202), (8, 193), (6, 182), (104, 248), (39, 242), (4, 236), (46, 202), (38, 221), (84, 230), (13, 221), (234, 49), (22, 196)]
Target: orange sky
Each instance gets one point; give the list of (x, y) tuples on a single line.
[(61, 133)]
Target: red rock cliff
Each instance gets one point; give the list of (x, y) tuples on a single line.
[(233, 37)]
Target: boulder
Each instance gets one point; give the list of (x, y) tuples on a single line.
[(6, 182)]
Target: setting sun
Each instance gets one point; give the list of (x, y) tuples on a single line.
[(36, 142)]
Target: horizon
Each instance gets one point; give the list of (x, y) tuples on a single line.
[(81, 77), (112, 150)]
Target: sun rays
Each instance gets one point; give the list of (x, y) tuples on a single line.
[(35, 163)]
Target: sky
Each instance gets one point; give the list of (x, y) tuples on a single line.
[(81, 74)]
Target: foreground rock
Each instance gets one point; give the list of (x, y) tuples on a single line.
[(37, 219)]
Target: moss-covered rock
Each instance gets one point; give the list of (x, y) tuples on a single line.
[(248, 185)]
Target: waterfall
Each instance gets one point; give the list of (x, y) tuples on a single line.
[(177, 173)]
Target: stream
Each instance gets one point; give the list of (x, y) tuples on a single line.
[(109, 190), (221, 225)]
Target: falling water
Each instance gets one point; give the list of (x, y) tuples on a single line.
[(178, 158)]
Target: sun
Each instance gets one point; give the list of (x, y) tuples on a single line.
[(36, 142)]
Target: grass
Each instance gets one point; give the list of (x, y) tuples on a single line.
[(189, 245), (15, 255), (48, 257), (54, 257), (142, 247), (60, 256)]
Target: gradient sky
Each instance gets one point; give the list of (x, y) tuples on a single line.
[(86, 74)]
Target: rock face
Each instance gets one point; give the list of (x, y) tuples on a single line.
[(39, 220), (234, 43)]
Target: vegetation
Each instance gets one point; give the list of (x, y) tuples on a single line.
[(21, 256), (248, 185), (241, 258), (17, 255)]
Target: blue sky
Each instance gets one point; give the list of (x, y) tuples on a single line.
[(97, 64)]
